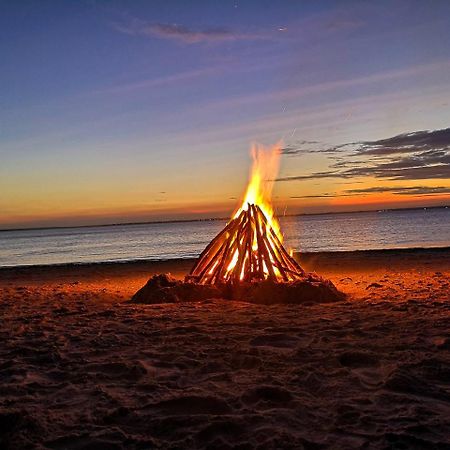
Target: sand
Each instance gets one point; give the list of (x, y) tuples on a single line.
[(81, 368)]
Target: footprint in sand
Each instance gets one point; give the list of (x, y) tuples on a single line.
[(354, 359), (278, 340), (191, 405), (269, 395), (365, 366)]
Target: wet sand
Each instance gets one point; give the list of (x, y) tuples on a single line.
[(81, 368)]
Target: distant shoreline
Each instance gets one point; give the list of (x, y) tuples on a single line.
[(213, 219), (350, 255)]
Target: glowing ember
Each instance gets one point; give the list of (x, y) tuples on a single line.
[(250, 247)]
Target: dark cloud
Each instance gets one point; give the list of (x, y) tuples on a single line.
[(399, 190), (323, 196), (407, 143), (314, 196), (426, 165), (403, 190), (313, 176), (300, 147), (184, 34), (412, 142), (419, 155)]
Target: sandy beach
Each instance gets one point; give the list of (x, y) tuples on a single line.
[(82, 368)]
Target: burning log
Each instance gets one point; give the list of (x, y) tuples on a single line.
[(247, 249)]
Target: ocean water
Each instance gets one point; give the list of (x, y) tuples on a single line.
[(156, 241)]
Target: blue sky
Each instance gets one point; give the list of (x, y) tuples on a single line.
[(141, 110)]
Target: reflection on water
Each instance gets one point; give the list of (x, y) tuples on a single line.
[(326, 232)]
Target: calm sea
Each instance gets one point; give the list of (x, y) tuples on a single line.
[(325, 232)]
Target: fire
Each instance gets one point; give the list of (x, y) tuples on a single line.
[(266, 162), (250, 247)]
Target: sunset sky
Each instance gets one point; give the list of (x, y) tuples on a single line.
[(122, 111)]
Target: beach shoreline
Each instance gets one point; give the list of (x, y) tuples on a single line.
[(312, 261)]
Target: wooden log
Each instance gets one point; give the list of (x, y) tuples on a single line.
[(266, 256), (287, 263), (211, 262), (249, 246), (242, 250), (208, 253), (286, 255), (225, 260), (277, 240), (260, 270), (231, 243), (277, 262), (203, 275), (269, 245), (228, 228), (262, 244)]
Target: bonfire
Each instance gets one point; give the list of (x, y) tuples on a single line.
[(247, 259), (250, 247)]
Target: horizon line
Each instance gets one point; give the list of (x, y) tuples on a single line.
[(211, 219)]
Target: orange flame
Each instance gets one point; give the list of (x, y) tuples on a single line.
[(266, 162), (249, 248)]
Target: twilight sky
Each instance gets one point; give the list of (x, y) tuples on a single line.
[(119, 111)]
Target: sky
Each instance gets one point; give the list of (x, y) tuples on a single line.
[(129, 111)]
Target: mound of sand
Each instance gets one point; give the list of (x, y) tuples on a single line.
[(163, 288)]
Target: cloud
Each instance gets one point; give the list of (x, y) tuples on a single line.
[(300, 147), (157, 82), (285, 95), (320, 196), (403, 143), (184, 34), (313, 176), (419, 155), (397, 190), (403, 190)]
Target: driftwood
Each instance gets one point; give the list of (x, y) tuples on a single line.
[(247, 249)]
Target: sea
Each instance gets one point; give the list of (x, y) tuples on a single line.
[(387, 229)]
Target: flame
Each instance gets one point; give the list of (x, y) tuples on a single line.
[(266, 162), (250, 247)]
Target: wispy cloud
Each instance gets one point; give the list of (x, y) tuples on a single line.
[(402, 190), (402, 143), (326, 195), (157, 82), (418, 155), (181, 33), (289, 94), (396, 190), (301, 147)]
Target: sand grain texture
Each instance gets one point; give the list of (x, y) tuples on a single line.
[(80, 368)]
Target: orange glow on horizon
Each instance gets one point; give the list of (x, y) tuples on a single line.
[(386, 198)]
